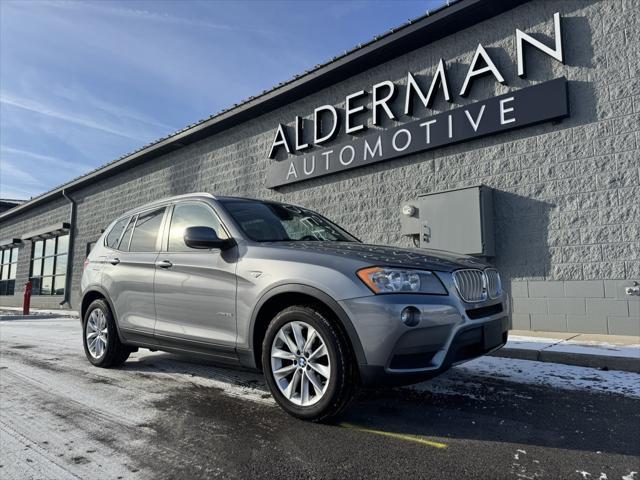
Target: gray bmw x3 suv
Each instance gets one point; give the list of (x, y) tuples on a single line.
[(280, 288)]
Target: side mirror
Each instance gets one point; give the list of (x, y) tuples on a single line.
[(204, 237)]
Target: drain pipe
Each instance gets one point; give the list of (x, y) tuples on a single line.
[(72, 228)]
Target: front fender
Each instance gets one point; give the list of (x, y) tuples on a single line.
[(320, 296)]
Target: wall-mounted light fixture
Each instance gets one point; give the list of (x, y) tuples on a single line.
[(408, 210)]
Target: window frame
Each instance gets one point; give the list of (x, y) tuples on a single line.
[(43, 256), (9, 264)]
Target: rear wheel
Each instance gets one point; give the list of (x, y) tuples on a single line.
[(101, 343), (308, 364)]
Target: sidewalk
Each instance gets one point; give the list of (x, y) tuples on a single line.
[(15, 313), (607, 352)]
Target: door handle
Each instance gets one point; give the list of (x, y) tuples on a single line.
[(114, 261), (164, 264)]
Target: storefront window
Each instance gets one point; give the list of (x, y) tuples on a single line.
[(49, 265), (8, 265)]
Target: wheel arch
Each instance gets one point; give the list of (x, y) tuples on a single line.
[(97, 293), (283, 296)]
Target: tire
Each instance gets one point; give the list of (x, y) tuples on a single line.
[(113, 353), (325, 398)]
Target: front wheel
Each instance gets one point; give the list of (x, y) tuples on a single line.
[(308, 364), (101, 343)]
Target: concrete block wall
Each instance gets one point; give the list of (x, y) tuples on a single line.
[(38, 218), (567, 216), (586, 306)]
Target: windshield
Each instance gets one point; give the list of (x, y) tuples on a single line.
[(275, 222)]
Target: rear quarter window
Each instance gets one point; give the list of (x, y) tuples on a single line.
[(112, 238), (126, 237)]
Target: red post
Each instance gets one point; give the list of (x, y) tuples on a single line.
[(26, 303)]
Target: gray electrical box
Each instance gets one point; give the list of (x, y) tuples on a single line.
[(456, 220)]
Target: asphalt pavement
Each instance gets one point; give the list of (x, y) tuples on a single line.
[(163, 416)]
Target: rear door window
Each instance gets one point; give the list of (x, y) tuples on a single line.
[(145, 232)]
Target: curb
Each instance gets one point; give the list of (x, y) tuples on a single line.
[(37, 316), (602, 362)]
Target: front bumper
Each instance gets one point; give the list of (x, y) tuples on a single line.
[(450, 332)]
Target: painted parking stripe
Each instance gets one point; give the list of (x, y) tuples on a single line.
[(397, 436)]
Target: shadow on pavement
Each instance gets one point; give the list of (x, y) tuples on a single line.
[(496, 410), (507, 412)]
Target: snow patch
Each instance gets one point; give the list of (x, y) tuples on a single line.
[(516, 456), (584, 347), (563, 377)]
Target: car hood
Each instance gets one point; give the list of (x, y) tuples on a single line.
[(380, 255)]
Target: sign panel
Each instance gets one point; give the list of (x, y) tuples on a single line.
[(528, 106)]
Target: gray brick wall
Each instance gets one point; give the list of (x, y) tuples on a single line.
[(591, 306), (34, 219), (567, 216)]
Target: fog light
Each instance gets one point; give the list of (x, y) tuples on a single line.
[(410, 316)]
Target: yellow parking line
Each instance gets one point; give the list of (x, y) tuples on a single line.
[(398, 436)]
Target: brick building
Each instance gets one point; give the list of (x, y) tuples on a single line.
[(545, 113)]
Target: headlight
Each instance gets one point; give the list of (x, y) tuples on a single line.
[(396, 280)]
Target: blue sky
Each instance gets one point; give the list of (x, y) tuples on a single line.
[(83, 83)]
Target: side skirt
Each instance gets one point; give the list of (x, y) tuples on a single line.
[(215, 353)]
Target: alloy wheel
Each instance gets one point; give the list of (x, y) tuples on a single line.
[(300, 363), (97, 333)]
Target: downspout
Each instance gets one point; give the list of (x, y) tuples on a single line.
[(72, 229)]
